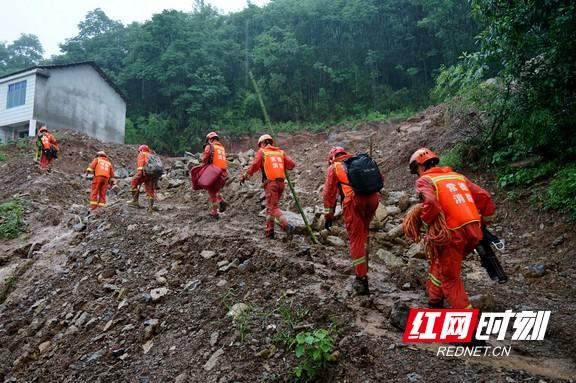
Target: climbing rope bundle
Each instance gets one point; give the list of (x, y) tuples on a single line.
[(436, 236)]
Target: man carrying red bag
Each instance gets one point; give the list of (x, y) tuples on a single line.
[(215, 154)]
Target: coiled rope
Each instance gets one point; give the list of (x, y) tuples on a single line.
[(436, 236)]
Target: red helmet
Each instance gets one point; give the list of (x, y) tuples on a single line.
[(42, 129), (101, 153), (420, 157), (335, 152), (211, 135), (265, 137), (143, 148)]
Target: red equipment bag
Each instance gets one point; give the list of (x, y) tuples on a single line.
[(204, 176)]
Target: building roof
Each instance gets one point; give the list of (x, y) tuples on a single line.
[(61, 66)]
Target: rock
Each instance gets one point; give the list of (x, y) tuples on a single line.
[(267, 352), (381, 213), (157, 294), (416, 250), (389, 259), (393, 210), (72, 330), (413, 377), (182, 378), (44, 346), (174, 183), (399, 315), (96, 355), (558, 241), (237, 310), (121, 173), (207, 254), (147, 346), (484, 302), (394, 197), (214, 338), (80, 321), (151, 327), (230, 265), (80, 226), (211, 363), (108, 325), (537, 270), (192, 285), (110, 287), (222, 263), (161, 280), (395, 232), (335, 241), (222, 283), (404, 203)]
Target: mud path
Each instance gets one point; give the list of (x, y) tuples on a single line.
[(124, 295)]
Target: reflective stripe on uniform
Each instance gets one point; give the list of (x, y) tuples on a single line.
[(140, 168), (434, 280), (101, 204), (93, 202), (488, 218), (359, 261), (328, 210)]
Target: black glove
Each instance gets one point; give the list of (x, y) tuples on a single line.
[(328, 224)]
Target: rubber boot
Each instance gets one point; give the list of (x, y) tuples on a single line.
[(269, 233), (214, 212), (360, 286), (436, 305), (151, 206), (223, 205), (135, 195)]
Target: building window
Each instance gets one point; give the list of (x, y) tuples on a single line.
[(16, 94)]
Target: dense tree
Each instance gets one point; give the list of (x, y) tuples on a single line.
[(24, 52), (315, 61)]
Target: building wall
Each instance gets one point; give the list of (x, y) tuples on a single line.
[(20, 113), (78, 98)]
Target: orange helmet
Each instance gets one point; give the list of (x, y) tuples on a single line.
[(42, 129), (211, 135), (265, 137), (143, 148), (101, 153), (420, 157), (335, 152)]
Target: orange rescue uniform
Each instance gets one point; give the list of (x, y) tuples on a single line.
[(358, 212), (465, 206), (215, 153), (142, 178), (273, 162), (103, 172), (47, 140)]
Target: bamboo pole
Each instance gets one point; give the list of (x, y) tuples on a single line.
[(269, 125)]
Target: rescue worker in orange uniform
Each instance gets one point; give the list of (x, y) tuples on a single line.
[(358, 212), (143, 178), (273, 162), (465, 206), (214, 153), (103, 171), (47, 149)]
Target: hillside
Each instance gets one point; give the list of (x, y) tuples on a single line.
[(127, 296)]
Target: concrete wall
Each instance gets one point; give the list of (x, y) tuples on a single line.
[(78, 98), (17, 114)]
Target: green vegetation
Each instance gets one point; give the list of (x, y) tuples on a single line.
[(526, 113), (10, 219), (317, 62), (314, 348), (7, 287)]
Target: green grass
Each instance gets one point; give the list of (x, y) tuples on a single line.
[(10, 219), (452, 158), (561, 194)]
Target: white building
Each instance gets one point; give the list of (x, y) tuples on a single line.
[(75, 96)]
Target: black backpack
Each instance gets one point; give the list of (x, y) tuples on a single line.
[(363, 174)]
